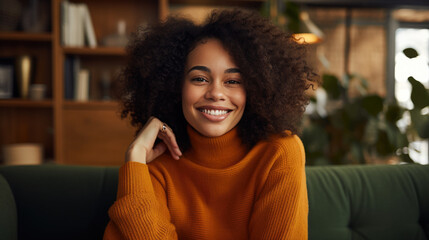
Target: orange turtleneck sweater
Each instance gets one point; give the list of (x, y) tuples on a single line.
[(217, 190)]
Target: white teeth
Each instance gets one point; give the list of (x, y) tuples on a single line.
[(214, 112)]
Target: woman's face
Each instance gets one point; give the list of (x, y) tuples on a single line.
[(213, 96)]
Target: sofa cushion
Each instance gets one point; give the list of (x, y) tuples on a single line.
[(368, 202), (346, 202), (61, 202), (8, 218)]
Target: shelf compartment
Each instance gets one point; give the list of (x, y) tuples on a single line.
[(27, 125), (244, 3), (16, 102), (95, 137), (101, 51), (23, 36), (91, 105)]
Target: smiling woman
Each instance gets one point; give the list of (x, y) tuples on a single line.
[(213, 97), (217, 107)]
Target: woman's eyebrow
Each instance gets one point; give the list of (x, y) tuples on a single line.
[(202, 68), (232, 70), (206, 69)]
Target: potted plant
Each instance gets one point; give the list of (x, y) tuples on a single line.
[(360, 129)]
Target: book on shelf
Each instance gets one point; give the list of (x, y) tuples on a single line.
[(6, 77), (76, 80), (82, 85), (71, 69), (77, 29), (89, 28)]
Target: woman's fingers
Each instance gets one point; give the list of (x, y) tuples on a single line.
[(172, 138), (143, 148), (148, 134), (168, 137)]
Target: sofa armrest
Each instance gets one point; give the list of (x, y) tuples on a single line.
[(61, 202), (8, 216), (368, 202)]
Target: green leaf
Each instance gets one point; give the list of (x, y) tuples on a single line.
[(332, 86), (371, 132), (357, 153), (339, 119), (353, 111), (373, 104), (265, 9), (420, 122), (291, 12), (315, 138), (397, 139), (402, 140), (419, 94), (363, 81), (383, 145), (362, 87), (394, 113), (346, 80), (410, 52)]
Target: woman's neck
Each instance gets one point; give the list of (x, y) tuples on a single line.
[(215, 152)]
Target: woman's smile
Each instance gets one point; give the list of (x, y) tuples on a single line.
[(214, 113)]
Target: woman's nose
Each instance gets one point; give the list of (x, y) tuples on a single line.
[(215, 92)]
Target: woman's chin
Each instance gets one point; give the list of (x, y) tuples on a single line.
[(212, 131)]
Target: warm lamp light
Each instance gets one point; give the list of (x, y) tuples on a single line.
[(309, 32), (306, 38)]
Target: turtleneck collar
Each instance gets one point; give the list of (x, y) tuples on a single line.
[(215, 152)]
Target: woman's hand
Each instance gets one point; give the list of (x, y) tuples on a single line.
[(142, 149)]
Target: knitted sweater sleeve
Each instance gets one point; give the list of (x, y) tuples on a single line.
[(140, 211), (281, 209)]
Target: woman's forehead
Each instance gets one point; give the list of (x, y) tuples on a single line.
[(210, 52)]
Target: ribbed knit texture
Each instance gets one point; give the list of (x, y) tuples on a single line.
[(217, 190)]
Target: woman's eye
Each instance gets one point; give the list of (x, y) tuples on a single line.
[(198, 79), (233, 82)]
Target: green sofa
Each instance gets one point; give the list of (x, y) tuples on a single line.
[(349, 202)]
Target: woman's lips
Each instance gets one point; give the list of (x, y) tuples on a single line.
[(214, 114)]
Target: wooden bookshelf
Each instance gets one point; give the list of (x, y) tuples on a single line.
[(234, 3), (106, 105), (16, 103), (92, 132), (72, 132), (21, 36), (100, 51)]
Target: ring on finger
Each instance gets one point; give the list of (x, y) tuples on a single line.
[(164, 128)]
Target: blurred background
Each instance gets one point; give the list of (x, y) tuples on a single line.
[(59, 62)]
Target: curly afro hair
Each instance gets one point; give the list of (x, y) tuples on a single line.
[(270, 60)]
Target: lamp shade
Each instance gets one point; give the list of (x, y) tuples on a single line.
[(309, 32)]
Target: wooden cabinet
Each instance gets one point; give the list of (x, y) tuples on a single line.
[(92, 132), (23, 121), (72, 132)]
